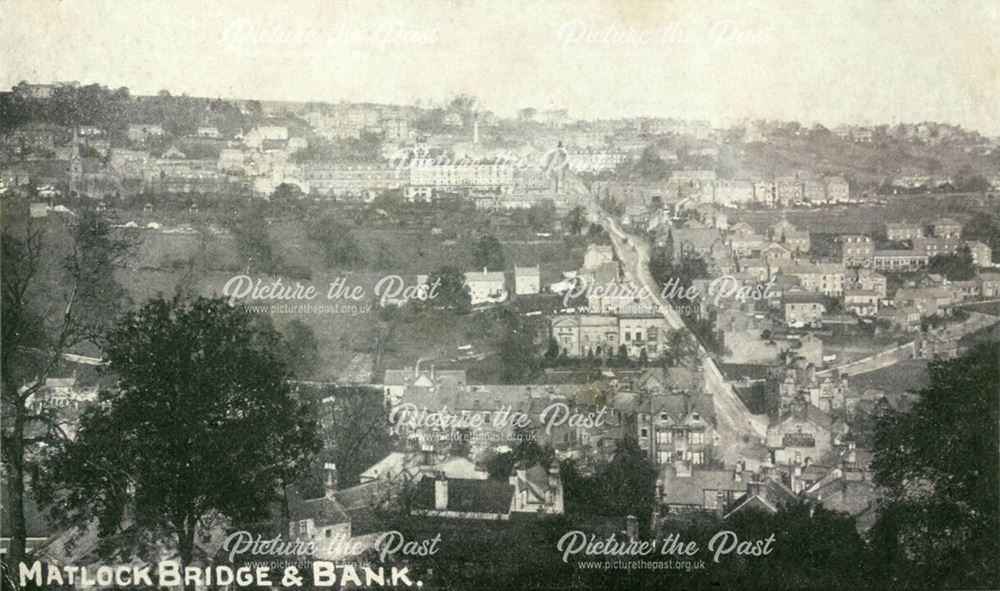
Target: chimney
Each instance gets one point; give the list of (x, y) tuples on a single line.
[(432, 372), (440, 492), (554, 479), (632, 527), (329, 479), (475, 131), (654, 527), (426, 454)]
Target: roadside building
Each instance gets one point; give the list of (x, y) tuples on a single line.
[(486, 287), (856, 250), (527, 280), (861, 302), (803, 309)]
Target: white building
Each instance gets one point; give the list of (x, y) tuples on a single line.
[(527, 280), (486, 287)]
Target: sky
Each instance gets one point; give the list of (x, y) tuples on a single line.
[(855, 62)]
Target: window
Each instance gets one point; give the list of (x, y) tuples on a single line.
[(695, 437), (664, 436), (663, 457), (664, 416), (628, 336), (329, 532), (697, 458), (643, 432)]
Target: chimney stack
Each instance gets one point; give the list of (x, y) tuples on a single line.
[(554, 479), (441, 492), (632, 527), (329, 479)]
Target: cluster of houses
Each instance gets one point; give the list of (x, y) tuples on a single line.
[(809, 449), (809, 291), (705, 186), (608, 315), (148, 159)]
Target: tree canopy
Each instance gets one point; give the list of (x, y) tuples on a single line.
[(203, 424), (938, 465)]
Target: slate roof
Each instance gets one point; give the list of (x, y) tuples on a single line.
[(323, 511), (770, 496), (471, 496), (690, 490)]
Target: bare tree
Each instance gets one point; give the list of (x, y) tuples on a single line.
[(47, 311)]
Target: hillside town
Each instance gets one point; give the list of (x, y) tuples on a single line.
[(732, 310)]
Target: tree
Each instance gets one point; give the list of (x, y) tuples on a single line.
[(678, 349), (969, 181), (203, 425), (937, 464), (300, 352), (287, 193), (460, 445), (519, 361), (354, 431), (336, 242), (249, 227), (596, 234), (650, 166), (956, 267), (487, 253), (624, 486), (542, 216), (47, 311), (552, 350), (527, 453), (622, 354), (451, 292), (813, 548), (575, 220)]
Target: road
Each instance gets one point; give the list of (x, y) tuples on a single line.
[(892, 355), (740, 433)]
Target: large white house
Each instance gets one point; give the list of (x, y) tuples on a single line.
[(486, 287)]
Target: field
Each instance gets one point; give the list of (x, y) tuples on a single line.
[(905, 376), (204, 260), (869, 217)]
